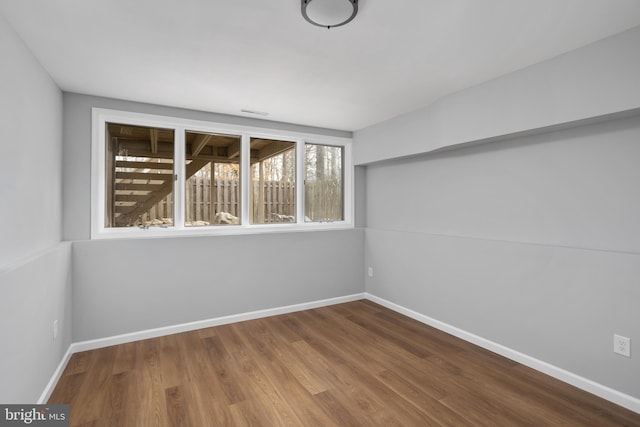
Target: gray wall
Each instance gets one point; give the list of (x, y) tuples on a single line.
[(32, 296), (123, 286), (35, 269), (533, 243), (30, 153)]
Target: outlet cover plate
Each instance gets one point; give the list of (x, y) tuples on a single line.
[(622, 345)]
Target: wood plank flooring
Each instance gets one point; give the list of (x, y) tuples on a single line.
[(353, 364)]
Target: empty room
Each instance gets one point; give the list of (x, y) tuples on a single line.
[(320, 213)]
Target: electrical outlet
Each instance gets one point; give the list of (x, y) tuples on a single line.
[(370, 271), (622, 345), (55, 329)]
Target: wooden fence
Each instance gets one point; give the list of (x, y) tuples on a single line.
[(323, 201), (199, 197), (278, 202)]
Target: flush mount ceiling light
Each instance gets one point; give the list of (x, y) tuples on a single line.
[(329, 13)]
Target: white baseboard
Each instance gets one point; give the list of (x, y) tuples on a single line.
[(46, 394), (184, 327), (585, 384), (208, 323)]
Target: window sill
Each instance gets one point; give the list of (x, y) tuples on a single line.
[(218, 230)]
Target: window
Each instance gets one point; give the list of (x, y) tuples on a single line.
[(139, 178), (273, 181), (212, 175), (323, 183), (154, 176)]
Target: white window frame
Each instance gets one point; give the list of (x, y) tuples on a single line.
[(102, 116)]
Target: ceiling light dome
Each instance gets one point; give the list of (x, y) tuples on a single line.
[(329, 13)]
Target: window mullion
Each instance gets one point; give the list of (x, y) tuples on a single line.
[(300, 176), (245, 179), (179, 180), (98, 177)]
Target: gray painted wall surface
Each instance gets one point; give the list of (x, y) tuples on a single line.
[(32, 296), (533, 243), (123, 286), (30, 153), (593, 81), (360, 190), (576, 188), (35, 287)]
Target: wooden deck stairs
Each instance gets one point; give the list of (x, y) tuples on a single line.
[(141, 185)]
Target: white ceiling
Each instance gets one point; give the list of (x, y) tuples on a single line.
[(227, 55)]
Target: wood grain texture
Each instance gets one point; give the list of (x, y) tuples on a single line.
[(353, 364)]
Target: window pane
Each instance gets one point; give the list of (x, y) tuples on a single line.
[(323, 188), (139, 181), (273, 181), (212, 193)]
